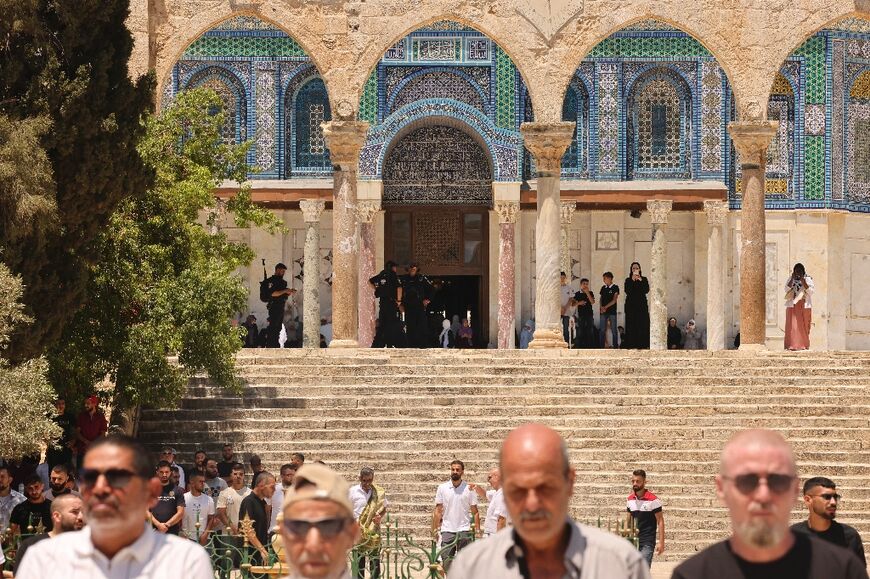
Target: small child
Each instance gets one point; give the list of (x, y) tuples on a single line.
[(466, 335)]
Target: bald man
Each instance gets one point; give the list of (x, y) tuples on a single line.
[(758, 483), (538, 482)]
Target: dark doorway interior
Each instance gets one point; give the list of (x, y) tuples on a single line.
[(457, 295)]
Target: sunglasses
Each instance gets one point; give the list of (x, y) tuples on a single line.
[(117, 478), (328, 528), (777, 483), (828, 496)]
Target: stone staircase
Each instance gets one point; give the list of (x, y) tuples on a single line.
[(408, 413)]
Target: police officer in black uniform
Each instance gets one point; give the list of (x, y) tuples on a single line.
[(416, 295), (388, 290), (279, 293)]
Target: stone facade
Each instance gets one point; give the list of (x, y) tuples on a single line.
[(649, 98)]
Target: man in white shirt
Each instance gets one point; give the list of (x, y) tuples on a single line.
[(369, 506), (455, 508), (9, 498), (118, 486), (228, 504), (288, 471), (496, 513), (199, 511)]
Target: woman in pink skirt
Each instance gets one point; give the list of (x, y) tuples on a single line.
[(798, 309)]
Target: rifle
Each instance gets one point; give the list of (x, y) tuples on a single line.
[(265, 275)]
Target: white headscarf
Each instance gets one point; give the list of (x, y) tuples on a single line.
[(444, 336)]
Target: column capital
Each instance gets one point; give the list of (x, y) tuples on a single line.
[(566, 211), (751, 139), (311, 209), (508, 211), (345, 139), (717, 212), (548, 143), (659, 209), (366, 210)]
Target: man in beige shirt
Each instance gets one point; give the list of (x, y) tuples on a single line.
[(538, 482)]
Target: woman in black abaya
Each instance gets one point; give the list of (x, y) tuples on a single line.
[(636, 310)]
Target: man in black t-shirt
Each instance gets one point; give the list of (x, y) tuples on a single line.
[(758, 483), (584, 300), (254, 506), (609, 294), (166, 515), (225, 467), (278, 294), (822, 500), (34, 510)]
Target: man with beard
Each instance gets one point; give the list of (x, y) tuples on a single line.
[(59, 482), (538, 481), (225, 467), (9, 498), (416, 295), (758, 483), (118, 487), (34, 510), (90, 425), (822, 500), (646, 510), (214, 484), (167, 514), (288, 471), (66, 515), (455, 506), (199, 460)]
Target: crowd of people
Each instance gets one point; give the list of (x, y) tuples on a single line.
[(124, 517)]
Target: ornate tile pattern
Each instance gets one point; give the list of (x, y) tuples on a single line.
[(505, 90), (609, 97), (712, 137), (858, 141), (368, 106), (814, 120), (439, 84), (266, 115), (838, 113)]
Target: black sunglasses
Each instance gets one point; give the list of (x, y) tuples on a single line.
[(828, 496), (117, 478), (777, 483), (328, 528)]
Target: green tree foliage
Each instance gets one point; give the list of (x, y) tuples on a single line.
[(25, 394), (64, 78), (163, 294)]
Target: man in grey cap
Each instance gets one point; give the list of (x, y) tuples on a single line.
[(318, 529), (538, 482)]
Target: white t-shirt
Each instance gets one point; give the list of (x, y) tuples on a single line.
[(495, 510), (196, 509), (231, 500), (457, 501), (214, 487), (72, 556), (277, 502)]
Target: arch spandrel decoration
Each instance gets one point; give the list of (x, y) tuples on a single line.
[(449, 70), (263, 59), (858, 137)]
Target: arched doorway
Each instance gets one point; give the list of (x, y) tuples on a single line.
[(437, 193)]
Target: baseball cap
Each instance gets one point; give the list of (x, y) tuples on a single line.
[(319, 482)]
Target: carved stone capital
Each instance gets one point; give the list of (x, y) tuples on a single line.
[(548, 143), (751, 140), (345, 139), (566, 211), (366, 210), (659, 209), (508, 211), (717, 212), (311, 209)]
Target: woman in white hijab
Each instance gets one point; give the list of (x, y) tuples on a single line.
[(446, 339)]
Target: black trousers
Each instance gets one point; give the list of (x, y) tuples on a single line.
[(417, 328), (389, 332), (374, 560), (276, 318)]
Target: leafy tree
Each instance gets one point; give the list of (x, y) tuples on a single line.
[(163, 294), (63, 74), (25, 394)]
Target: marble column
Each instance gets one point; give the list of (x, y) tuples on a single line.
[(717, 214), (507, 217), (345, 139), (659, 209), (366, 211), (311, 210), (547, 142), (751, 139), (566, 212)]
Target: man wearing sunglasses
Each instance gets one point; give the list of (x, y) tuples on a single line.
[(318, 529), (118, 487), (758, 483), (822, 500)]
